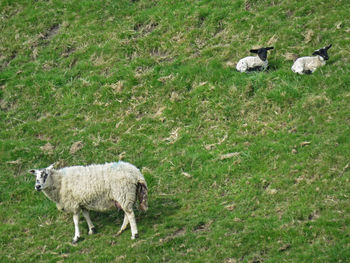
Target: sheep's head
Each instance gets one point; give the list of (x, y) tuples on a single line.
[(322, 52), (43, 177), (262, 52)]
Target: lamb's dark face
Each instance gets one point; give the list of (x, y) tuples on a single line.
[(323, 52), (42, 178), (262, 52)]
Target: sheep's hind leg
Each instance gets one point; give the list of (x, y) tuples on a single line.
[(76, 227), (131, 217), (92, 228), (124, 225)]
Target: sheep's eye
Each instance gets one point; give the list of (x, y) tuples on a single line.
[(44, 176)]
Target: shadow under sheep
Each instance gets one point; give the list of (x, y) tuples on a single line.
[(158, 210)]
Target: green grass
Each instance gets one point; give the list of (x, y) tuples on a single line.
[(153, 83)]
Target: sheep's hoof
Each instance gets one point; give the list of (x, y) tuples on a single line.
[(92, 231), (135, 236), (75, 240)]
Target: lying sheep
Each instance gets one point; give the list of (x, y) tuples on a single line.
[(95, 187), (307, 65), (254, 63)]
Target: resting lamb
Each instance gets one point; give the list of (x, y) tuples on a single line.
[(254, 63), (307, 65)]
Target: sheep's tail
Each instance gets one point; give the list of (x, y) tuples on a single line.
[(142, 194)]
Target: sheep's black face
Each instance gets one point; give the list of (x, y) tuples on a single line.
[(322, 52), (42, 176), (262, 52)]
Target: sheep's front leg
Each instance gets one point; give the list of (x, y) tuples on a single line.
[(76, 227), (312, 70), (124, 225), (89, 222)]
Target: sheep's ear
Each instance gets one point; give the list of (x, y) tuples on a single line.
[(254, 51), (31, 171), (328, 47), (317, 52), (268, 48), (50, 167)]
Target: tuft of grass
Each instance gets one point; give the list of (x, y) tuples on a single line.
[(241, 167)]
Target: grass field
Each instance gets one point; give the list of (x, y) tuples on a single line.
[(240, 167)]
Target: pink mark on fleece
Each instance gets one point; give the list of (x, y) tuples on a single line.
[(117, 205)]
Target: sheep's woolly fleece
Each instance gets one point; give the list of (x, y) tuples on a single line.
[(251, 63), (307, 65), (95, 187)]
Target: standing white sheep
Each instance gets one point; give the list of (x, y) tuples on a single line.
[(307, 65), (252, 63), (96, 187)]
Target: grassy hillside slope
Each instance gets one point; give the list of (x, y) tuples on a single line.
[(241, 167)]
